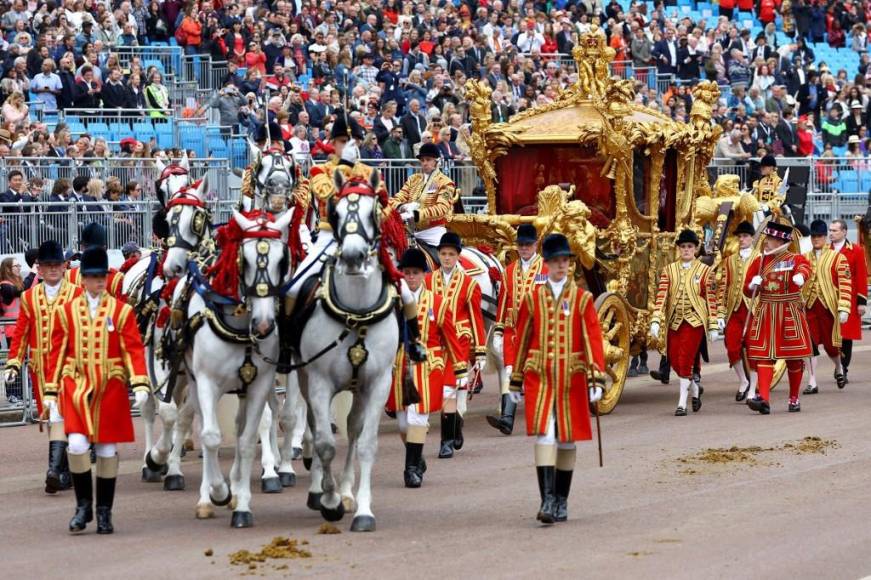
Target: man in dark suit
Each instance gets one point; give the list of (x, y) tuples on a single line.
[(413, 123), (665, 54), (87, 94), (317, 111), (785, 131), (761, 49), (500, 109), (115, 94), (518, 89), (810, 96), (564, 44)]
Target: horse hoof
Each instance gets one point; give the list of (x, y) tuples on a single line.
[(334, 514), (349, 503), (271, 485), (173, 483), (153, 465), (287, 479), (363, 524), (149, 476), (307, 463), (296, 453), (222, 502), (242, 520), (205, 512), (314, 501)]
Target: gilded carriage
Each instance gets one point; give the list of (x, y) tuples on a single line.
[(618, 178)]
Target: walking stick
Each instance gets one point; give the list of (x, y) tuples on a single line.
[(599, 436)]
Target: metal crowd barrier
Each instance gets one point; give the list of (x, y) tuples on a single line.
[(16, 398), (167, 59)]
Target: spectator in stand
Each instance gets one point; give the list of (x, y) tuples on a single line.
[(384, 123), (228, 102), (300, 146), (413, 123), (665, 53), (394, 147), (856, 119), (157, 97), (189, 33), (834, 129), (47, 86), (115, 94), (447, 148), (370, 151), (87, 92), (15, 112), (11, 287), (729, 147)]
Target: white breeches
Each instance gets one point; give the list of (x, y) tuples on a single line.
[(54, 415), (79, 445), (549, 438), (416, 419)]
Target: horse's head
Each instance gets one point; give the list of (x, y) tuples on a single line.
[(173, 176), (273, 177), (355, 214), (189, 221), (264, 263)]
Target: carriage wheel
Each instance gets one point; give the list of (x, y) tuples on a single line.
[(779, 371), (614, 320)]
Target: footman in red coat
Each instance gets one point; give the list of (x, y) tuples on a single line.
[(855, 254)]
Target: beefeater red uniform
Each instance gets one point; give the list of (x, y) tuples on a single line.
[(463, 297), (855, 255), (826, 295), (686, 305), (559, 341), (90, 365), (436, 323), (516, 284), (733, 304), (33, 331), (114, 281)]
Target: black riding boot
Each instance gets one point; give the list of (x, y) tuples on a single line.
[(416, 351), (84, 488), (846, 357), (105, 499), (458, 432), (57, 450), (66, 481), (449, 427), (563, 485), (547, 511), (662, 375), (413, 473), (505, 423)]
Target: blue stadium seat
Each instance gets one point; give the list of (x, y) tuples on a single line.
[(98, 129), (142, 131), (239, 152), (165, 137), (146, 64), (849, 181)]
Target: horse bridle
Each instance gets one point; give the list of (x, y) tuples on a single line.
[(280, 164), (262, 286), (352, 224), (199, 222)]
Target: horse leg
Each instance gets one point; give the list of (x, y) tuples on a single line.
[(287, 420), (269, 482), (174, 480), (214, 489), (355, 425), (367, 447), (246, 444), (325, 447), (149, 413)]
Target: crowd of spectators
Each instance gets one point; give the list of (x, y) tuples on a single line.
[(399, 67)]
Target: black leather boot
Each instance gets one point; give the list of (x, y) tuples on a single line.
[(662, 375), (449, 426), (415, 350), (66, 480), (413, 474), (562, 486), (105, 500), (57, 450), (84, 488), (458, 432), (547, 511), (505, 423)]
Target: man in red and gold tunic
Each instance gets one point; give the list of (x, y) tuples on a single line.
[(32, 338), (96, 352), (519, 279), (559, 343), (733, 308), (94, 236), (687, 305), (855, 254), (827, 296), (463, 297), (423, 382), (778, 327)]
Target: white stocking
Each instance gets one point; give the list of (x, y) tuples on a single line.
[(752, 390), (812, 371), (695, 389), (743, 381), (105, 449), (461, 400), (684, 391), (78, 444)]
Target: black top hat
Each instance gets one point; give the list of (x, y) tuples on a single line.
[(745, 228), (50, 252), (93, 234), (94, 262), (413, 258), (819, 228), (779, 231), (270, 131), (30, 256), (428, 150), (803, 230), (451, 240), (556, 246), (526, 234), (760, 36), (345, 126), (687, 237), (768, 161)]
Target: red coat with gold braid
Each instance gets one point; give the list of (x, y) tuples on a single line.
[(463, 297), (559, 341), (90, 365), (733, 304), (436, 323), (827, 293), (33, 331), (516, 284), (855, 254), (114, 281), (778, 327)]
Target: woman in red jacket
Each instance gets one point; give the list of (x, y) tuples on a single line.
[(805, 138), (192, 30), (767, 11)]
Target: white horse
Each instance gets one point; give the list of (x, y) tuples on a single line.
[(217, 363), (357, 305)]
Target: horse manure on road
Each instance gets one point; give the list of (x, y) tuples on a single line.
[(709, 460), (328, 529), (280, 548)]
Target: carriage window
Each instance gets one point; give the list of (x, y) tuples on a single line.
[(640, 173), (668, 192)]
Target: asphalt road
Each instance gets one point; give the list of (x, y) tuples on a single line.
[(651, 512)]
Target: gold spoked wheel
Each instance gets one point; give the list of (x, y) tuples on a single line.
[(614, 320)]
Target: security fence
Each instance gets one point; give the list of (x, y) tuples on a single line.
[(16, 398)]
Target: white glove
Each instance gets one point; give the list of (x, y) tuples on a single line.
[(654, 330), (406, 216), (515, 396), (10, 375), (755, 281), (50, 408), (498, 343), (411, 206), (351, 153), (463, 382), (843, 316), (139, 399), (595, 394), (799, 280), (481, 363), (721, 324), (714, 335)]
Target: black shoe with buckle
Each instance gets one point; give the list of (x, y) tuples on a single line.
[(811, 390), (841, 380), (741, 395), (759, 405), (794, 406), (680, 412)]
